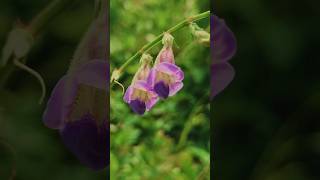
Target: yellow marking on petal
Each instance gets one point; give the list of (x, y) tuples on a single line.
[(165, 77), (89, 100), (141, 95)]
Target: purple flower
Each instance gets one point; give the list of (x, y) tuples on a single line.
[(223, 48), (166, 77), (78, 108), (139, 94)]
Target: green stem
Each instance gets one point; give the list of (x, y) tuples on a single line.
[(35, 74), (46, 14), (185, 132), (158, 39), (34, 27), (198, 106)]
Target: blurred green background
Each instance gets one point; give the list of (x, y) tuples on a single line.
[(147, 147), (266, 123), (27, 148)]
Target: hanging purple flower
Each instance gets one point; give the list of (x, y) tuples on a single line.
[(223, 48), (78, 106), (139, 94), (166, 77)]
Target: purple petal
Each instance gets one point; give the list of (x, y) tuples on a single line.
[(88, 141), (166, 55), (161, 89), (138, 106), (221, 75), (127, 95), (171, 69), (151, 77), (224, 42), (94, 44), (179, 75), (59, 102), (142, 85), (95, 73), (174, 88), (154, 99), (98, 41)]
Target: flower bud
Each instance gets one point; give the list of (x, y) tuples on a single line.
[(201, 36), (18, 45)]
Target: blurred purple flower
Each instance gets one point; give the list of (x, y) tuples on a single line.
[(223, 48), (78, 106), (139, 94), (166, 77)]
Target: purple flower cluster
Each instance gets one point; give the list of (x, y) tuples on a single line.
[(164, 79), (223, 47)]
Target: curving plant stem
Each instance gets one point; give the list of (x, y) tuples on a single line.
[(46, 14), (199, 106), (35, 74), (117, 73), (35, 26)]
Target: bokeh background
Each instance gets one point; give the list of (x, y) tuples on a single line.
[(29, 150), (147, 147), (266, 123)]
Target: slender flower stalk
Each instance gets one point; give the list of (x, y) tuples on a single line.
[(20, 41), (200, 106), (46, 14), (117, 73)]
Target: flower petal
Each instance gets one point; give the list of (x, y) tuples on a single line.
[(153, 100), (89, 142), (171, 69), (168, 68), (138, 106), (59, 102), (223, 40), (161, 89), (174, 88), (142, 85), (179, 75), (151, 77), (166, 55), (127, 95), (95, 73), (221, 75)]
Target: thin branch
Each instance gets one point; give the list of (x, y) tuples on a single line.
[(35, 74)]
